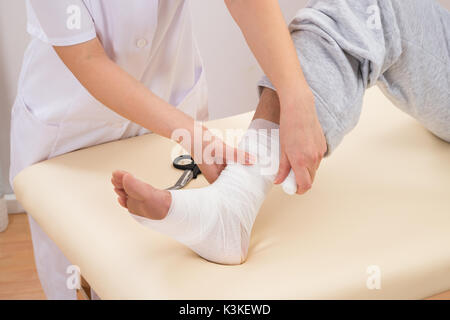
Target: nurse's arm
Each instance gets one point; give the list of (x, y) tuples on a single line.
[(302, 140), (125, 95), (118, 90)]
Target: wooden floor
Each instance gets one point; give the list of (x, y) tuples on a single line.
[(18, 277)]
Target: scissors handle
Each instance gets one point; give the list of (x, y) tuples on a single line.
[(178, 164), (196, 172)]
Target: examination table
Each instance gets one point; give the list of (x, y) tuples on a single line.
[(376, 224)]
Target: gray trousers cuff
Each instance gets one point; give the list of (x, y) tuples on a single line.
[(330, 126)]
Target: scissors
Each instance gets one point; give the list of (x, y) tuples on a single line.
[(191, 171)]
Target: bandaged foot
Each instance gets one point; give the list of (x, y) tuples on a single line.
[(215, 221)]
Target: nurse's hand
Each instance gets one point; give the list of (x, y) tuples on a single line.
[(216, 156), (302, 140)]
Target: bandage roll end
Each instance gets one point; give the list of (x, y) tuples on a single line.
[(290, 184)]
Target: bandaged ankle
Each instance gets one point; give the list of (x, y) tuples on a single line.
[(216, 221), (289, 184)]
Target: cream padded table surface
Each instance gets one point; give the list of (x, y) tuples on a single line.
[(382, 199)]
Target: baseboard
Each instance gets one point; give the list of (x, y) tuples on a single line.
[(13, 205)]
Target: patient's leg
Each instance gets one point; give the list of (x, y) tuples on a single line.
[(341, 55), (215, 221)]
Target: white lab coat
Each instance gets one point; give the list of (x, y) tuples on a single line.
[(54, 114)]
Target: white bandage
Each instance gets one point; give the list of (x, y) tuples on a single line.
[(216, 221), (290, 184)]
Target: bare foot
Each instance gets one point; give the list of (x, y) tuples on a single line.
[(141, 198)]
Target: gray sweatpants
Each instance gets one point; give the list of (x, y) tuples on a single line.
[(403, 46)]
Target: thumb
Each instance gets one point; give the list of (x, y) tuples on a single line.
[(284, 169)]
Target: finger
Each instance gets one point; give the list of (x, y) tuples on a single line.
[(317, 161), (283, 170), (303, 179), (244, 158), (312, 174), (315, 166), (235, 155)]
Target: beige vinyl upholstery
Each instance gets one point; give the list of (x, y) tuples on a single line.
[(382, 199)]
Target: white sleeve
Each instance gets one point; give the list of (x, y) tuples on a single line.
[(60, 22)]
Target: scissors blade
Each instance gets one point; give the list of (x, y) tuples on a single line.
[(185, 178)]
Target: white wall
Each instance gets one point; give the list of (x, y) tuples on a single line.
[(13, 41), (231, 70)]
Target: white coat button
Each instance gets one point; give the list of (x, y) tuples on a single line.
[(141, 43)]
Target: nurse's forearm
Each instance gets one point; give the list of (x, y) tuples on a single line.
[(119, 91), (267, 35)]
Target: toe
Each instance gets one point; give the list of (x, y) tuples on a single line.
[(122, 202), (120, 192), (117, 178)]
